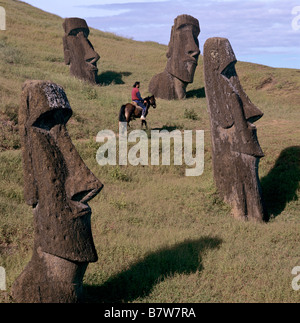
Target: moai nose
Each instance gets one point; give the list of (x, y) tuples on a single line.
[(91, 55), (81, 184)]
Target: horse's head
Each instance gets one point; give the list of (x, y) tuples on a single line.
[(152, 101)]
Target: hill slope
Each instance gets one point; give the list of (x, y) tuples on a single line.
[(160, 236)]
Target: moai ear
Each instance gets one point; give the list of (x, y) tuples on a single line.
[(215, 83), (223, 115), (66, 51), (171, 44), (30, 186)]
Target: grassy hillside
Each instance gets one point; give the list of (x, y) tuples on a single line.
[(160, 236)]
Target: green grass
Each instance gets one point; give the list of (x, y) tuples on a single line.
[(160, 236)]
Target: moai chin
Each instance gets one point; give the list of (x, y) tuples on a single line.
[(79, 53), (183, 54), (58, 185), (235, 148)]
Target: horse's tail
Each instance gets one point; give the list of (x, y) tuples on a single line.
[(122, 117)]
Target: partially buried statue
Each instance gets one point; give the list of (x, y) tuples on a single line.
[(79, 53), (183, 54), (235, 148), (58, 186)]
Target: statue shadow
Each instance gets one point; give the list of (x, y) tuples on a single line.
[(139, 280), (282, 182), (169, 128), (111, 77), (199, 93)]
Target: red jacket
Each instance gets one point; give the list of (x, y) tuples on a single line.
[(135, 94)]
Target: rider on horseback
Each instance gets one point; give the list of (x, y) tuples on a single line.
[(136, 97)]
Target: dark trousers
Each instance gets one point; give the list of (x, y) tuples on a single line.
[(140, 104)]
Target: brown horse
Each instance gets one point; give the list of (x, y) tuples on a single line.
[(132, 111)]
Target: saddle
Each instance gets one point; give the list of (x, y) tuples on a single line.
[(137, 108)]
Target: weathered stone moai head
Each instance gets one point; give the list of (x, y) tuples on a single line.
[(78, 51), (183, 54), (58, 186), (235, 148)]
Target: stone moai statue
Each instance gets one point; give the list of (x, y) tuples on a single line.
[(235, 148), (183, 54), (58, 186), (79, 53)]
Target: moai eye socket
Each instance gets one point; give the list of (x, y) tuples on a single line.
[(229, 71), (49, 119), (76, 31)]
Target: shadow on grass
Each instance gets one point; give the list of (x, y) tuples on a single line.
[(170, 127), (110, 77), (139, 280), (199, 93), (281, 184)]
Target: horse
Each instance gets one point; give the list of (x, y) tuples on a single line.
[(132, 111)]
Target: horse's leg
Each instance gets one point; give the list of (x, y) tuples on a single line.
[(131, 113), (144, 122), (128, 116), (128, 121)]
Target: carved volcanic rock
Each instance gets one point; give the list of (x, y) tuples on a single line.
[(235, 148), (79, 53), (58, 186), (183, 54)]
